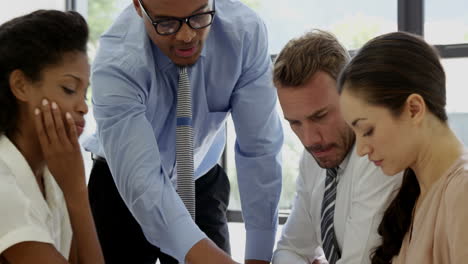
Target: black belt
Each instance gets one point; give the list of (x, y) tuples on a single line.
[(96, 157)]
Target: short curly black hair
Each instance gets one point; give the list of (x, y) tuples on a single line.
[(31, 43)]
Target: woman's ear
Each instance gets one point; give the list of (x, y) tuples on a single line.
[(19, 85), (416, 108)]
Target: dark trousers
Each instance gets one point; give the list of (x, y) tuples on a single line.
[(122, 238)]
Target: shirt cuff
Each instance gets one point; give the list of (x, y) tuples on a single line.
[(184, 234), (260, 244)]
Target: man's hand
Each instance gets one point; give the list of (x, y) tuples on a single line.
[(254, 261)]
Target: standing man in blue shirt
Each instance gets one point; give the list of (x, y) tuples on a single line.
[(139, 215)]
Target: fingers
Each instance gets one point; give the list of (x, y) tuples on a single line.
[(72, 133), (51, 128), (59, 125), (49, 123), (43, 139)]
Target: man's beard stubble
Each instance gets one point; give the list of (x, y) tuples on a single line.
[(343, 147)]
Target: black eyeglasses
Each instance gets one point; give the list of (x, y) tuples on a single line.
[(172, 25)]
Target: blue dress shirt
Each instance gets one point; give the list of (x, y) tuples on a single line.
[(134, 101)]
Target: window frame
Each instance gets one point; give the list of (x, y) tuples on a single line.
[(411, 18)]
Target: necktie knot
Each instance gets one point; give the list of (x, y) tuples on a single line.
[(184, 96), (332, 174)]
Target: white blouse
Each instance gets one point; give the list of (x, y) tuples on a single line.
[(25, 214)]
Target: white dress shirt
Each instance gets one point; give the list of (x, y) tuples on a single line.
[(363, 194), (25, 214)]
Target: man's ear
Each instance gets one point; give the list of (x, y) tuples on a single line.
[(416, 107), (20, 85), (137, 6)]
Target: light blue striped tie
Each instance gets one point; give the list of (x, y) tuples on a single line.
[(184, 144), (330, 244)]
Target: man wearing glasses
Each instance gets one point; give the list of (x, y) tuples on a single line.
[(150, 53)]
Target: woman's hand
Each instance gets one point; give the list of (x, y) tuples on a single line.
[(60, 147), (62, 153)]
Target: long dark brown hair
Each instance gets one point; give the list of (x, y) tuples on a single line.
[(384, 72)]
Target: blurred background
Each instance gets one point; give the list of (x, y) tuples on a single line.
[(442, 23)]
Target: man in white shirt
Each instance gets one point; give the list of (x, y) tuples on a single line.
[(341, 197)]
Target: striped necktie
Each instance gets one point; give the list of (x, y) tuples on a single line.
[(184, 144), (330, 244)]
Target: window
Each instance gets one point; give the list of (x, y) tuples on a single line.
[(446, 25), (457, 93), (446, 22), (455, 70), (292, 149), (22, 7), (99, 14), (353, 22)]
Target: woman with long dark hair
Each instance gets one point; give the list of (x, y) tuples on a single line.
[(393, 96)]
